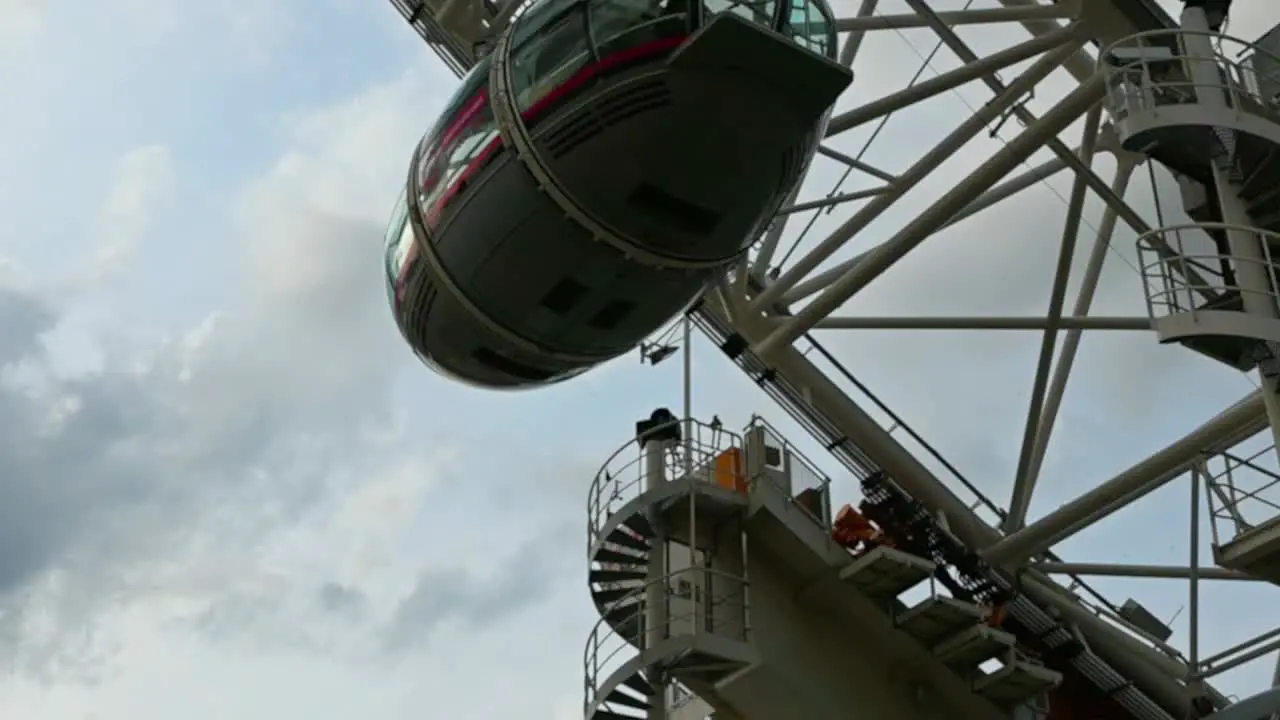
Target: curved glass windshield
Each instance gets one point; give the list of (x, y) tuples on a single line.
[(400, 250), (760, 12), (554, 55), (399, 238), (461, 144), (399, 217), (538, 15), (553, 49), (810, 24)]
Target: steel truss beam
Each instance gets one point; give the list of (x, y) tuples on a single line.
[(1074, 323), (1244, 419), (999, 193), (1168, 572), (981, 16), (1154, 671), (923, 167), (928, 222)]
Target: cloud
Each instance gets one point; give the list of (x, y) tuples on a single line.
[(457, 599), (256, 481), (339, 598), (228, 471), (202, 450), (20, 20), (141, 187)]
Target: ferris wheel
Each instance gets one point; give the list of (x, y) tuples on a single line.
[(1076, 169)]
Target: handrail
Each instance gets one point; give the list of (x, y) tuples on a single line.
[(799, 469), (622, 477), (1227, 494), (1170, 289), (1157, 84), (605, 642)]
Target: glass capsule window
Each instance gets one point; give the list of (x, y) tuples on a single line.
[(400, 250), (561, 44), (810, 24), (537, 16), (614, 19), (392, 237), (458, 148), (548, 58), (760, 12), (634, 30)]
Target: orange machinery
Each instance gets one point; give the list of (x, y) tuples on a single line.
[(729, 471), (853, 530)]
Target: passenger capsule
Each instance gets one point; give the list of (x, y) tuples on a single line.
[(595, 171)]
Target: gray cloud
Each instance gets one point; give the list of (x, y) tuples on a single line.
[(23, 320), (458, 599), (165, 471), (341, 599), (237, 425)]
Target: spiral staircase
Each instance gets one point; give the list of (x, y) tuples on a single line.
[(1209, 109), (1228, 125), (617, 580), (704, 634)]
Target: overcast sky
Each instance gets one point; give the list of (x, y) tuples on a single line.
[(229, 491)]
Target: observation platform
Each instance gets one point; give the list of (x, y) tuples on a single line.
[(715, 569), (1207, 106), (1255, 551), (1244, 512)]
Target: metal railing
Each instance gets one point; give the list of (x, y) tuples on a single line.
[(1151, 70), (717, 606), (1180, 267), (622, 478), (801, 473), (1244, 492), (823, 430)]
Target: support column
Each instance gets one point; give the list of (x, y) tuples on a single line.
[(1193, 564), (656, 436), (1025, 483), (1252, 274)]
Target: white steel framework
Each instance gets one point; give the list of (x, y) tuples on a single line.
[(1113, 95)]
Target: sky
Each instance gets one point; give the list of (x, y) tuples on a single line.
[(230, 490)]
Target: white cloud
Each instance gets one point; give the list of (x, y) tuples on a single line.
[(20, 18), (174, 467), (256, 486), (142, 185)]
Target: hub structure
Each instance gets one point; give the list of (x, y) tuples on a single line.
[(731, 575)]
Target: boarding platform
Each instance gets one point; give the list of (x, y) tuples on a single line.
[(886, 573), (1255, 551)]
